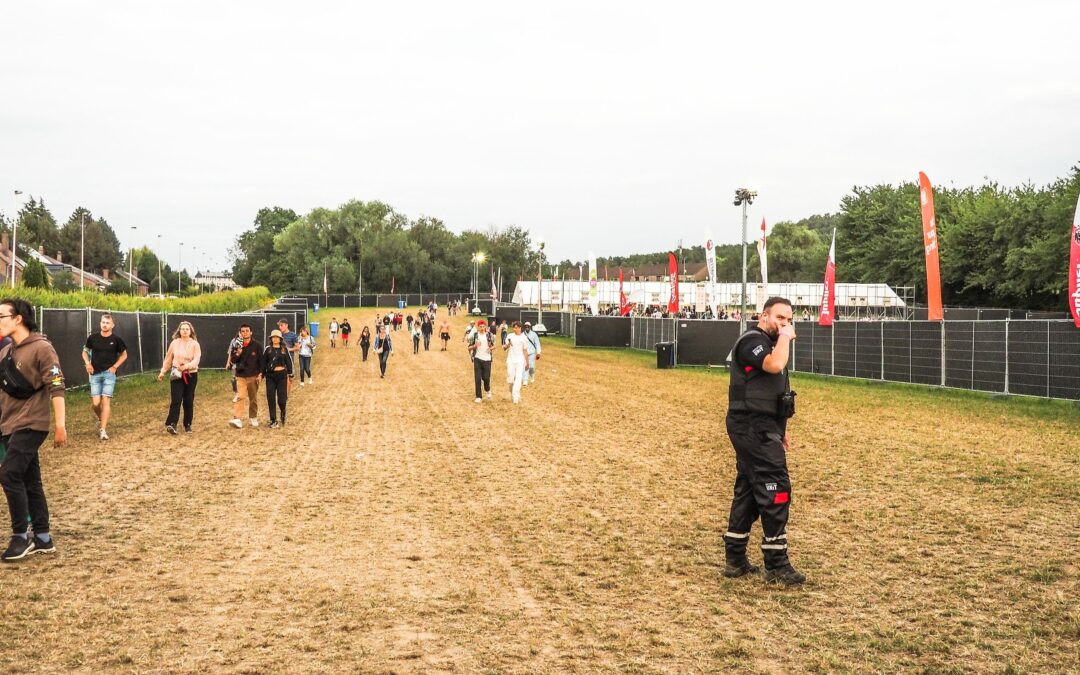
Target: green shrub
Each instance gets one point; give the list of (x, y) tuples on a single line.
[(35, 275), (223, 302)]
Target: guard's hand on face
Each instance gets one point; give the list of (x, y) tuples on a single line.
[(788, 331)]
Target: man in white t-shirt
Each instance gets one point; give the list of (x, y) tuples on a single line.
[(480, 345), (333, 332)]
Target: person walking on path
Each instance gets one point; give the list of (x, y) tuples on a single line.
[(307, 350), (414, 331), (277, 370), (517, 355), (346, 329), (249, 369), (532, 341), (365, 342), (333, 332), (480, 346), (444, 334), (31, 383), (290, 340), (103, 354), (229, 365), (503, 330), (384, 347), (182, 365), (427, 327)]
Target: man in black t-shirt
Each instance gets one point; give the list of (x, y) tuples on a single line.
[(103, 355), (757, 426)]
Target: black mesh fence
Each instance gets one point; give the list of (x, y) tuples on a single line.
[(67, 331), (821, 339), (1029, 362), (569, 324), (126, 327), (988, 356), (216, 331), (1064, 362), (703, 343), (602, 331), (646, 332), (868, 350), (844, 348), (959, 354), (508, 314), (926, 352), (552, 320), (896, 351), (151, 332)]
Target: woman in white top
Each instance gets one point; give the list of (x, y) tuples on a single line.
[(517, 355), (480, 345), (307, 349)]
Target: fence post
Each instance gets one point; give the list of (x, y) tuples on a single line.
[(832, 350), (1007, 319), (138, 333), (857, 348), (942, 328), (882, 327), (1047, 359), (972, 385)]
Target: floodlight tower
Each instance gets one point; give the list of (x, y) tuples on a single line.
[(743, 197)]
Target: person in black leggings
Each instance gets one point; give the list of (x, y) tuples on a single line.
[(365, 341), (384, 347), (277, 370)]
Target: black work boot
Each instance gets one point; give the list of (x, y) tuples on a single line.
[(738, 567), (785, 575)]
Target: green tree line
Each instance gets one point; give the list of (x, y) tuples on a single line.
[(100, 247), (288, 252), (1000, 246)]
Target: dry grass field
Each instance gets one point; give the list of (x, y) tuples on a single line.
[(397, 526)]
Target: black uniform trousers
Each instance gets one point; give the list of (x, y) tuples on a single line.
[(762, 487), (20, 474), (481, 375)]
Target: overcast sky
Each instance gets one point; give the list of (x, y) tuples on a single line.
[(616, 127)]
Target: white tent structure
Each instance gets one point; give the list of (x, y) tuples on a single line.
[(695, 295)]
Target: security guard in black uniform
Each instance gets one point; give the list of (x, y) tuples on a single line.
[(760, 401)]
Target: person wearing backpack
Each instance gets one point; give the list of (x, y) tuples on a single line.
[(481, 342), (30, 381)]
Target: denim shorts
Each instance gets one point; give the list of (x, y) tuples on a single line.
[(102, 384)]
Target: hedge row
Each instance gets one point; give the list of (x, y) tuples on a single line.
[(222, 302)]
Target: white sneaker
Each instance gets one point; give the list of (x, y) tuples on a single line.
[(301, 384), (103, 435), (254, 422), (237, 423), (479, 400), (489, 395), (311, 380)]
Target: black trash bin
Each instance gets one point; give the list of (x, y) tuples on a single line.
[(665, 354)]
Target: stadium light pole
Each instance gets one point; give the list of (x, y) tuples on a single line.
[(743, 197), (539, 327), (478, 258), (179, 266), (158, 256)]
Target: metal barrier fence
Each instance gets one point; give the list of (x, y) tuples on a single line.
[(147, 335), (1027, 357)]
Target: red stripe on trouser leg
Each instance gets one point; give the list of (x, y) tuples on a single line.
[(781, 498)]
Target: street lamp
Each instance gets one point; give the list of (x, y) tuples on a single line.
[(82, 249), (131, 261), (14, 232), (158, 256), (539, 327), (743, 197), (477, 258), (179, 266)]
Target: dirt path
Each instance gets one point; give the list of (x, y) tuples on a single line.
[(394, 525)]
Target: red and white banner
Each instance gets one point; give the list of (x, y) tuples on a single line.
[(1074, 268), (673, 270), (494, 292), (930, 245), (625, 307), (710, 262), (828, 290), (325, 281), (392, 279)]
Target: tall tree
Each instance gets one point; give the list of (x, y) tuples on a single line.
[(37, 227), (102, 247)]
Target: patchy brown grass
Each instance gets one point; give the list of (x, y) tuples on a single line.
[(396, 526)]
